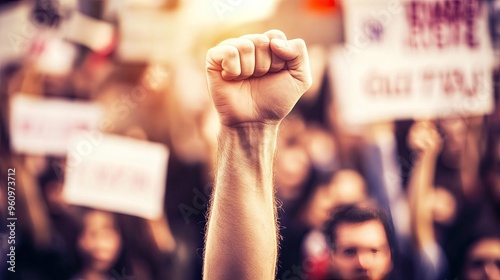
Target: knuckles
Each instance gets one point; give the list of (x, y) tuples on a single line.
[(261, 41), (246, 46), (301, 44), (275, 33), (229, 52)]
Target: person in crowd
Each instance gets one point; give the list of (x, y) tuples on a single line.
[(303, 242), (361, 240), (100, 246), (429, 206), (293, 164), (344, 187), (482, 258), (477, 244)]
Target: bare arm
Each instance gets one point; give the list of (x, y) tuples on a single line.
[(242, 239), (254, 82), (424, 140)]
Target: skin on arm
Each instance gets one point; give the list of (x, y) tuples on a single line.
[(254, 82), (425, 141)]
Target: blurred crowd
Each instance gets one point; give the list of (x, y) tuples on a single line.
[(438, 179)]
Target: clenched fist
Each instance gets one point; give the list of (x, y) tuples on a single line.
[(424, 137), (258, 77)]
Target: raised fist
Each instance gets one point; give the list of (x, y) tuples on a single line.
[(258, 77), (424, 137)]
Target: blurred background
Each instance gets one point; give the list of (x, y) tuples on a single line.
[(107, 123)]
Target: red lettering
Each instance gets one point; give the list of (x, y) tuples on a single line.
[(455, 82), (428, 81), (442, 23), (378, 85), (447, 83), (139, 181)]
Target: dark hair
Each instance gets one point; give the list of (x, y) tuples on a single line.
[(355, 214), (122, 261), (480, 233)]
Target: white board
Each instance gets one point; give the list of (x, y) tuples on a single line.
[(44, 126), (117, 174), (389, 69)]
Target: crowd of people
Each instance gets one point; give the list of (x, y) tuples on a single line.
[(403, 199)]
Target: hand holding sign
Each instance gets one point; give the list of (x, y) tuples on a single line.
[(257, 78)]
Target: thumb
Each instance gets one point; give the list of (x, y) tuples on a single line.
[(294, 52)]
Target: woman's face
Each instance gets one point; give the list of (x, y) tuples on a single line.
[(100, 241)]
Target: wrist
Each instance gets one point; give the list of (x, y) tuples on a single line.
[(425, 154), (250, 148), (255, 130)]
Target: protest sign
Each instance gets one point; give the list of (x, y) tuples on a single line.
[(117, 174), (44, 126), (407, 59)]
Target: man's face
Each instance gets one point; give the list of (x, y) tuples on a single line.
[(361, 251)]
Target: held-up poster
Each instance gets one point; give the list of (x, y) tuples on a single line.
[(43, 126), (413, 59), (116, 173)]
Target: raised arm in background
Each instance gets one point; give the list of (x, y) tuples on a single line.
[(425, 142), (254, 81)]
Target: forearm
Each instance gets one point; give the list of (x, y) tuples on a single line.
[(419, 190), (242, 232)]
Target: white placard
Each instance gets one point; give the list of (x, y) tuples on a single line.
[(402, 59), (117, 174), (426, 28), (371, 88), (153, 35), (44, 126)]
